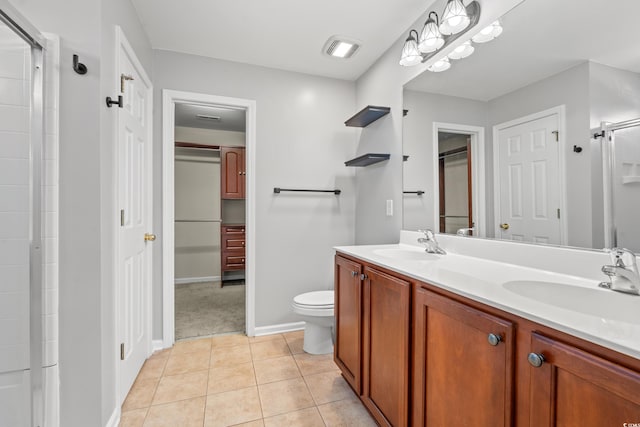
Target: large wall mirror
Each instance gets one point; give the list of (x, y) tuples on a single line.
[(504, 145)]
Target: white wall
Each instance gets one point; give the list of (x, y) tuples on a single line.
[(87, 336), (197, 197), (301, 142), (424, 110)]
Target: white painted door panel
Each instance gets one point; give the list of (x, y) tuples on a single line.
[(530, 182), (134, 261)]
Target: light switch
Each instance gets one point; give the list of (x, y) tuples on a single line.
[(389, 207)]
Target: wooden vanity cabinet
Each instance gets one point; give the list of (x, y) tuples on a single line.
[(463, 364), (232, 172), (348, 313), (386, 336), (573, 387), (422, 356)]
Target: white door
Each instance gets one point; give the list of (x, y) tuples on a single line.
[(135, 203), (529, 182)]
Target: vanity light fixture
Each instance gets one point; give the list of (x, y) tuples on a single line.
[(430, 37), (410, 52), (488, 33), (440, 65), (462, 51), (454, 18), (436, 34)]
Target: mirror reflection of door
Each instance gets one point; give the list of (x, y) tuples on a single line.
[(454, 152), (529, 181)]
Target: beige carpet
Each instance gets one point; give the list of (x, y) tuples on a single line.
[(207, 309)]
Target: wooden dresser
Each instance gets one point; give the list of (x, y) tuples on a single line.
[(232, 247)]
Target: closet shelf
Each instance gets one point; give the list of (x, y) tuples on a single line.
[(367, 115), (367, 159)]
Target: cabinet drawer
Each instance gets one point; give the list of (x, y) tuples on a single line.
[(232, 229), (233, 261), (233, 243)]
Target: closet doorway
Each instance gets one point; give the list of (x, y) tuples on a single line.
[(209, 220)]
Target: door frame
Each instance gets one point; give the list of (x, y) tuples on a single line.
[(121, 42), (477, 168), (560, 111), (169, 100)]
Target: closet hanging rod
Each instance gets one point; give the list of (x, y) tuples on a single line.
[(198, 220), (278, 190)]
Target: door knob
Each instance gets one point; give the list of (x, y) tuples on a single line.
[(504, 226), (149, 237)]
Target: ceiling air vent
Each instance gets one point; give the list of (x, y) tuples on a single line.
[(341, 47)]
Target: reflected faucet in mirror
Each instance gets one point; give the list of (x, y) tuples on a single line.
[(623, 274), (430, 243)]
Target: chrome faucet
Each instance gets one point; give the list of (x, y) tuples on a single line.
[(430, 243), (623, 274)]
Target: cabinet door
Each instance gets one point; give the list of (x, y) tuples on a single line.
[(463, 364), (386, 334), (232, 172), (348, 313), (575, 388)]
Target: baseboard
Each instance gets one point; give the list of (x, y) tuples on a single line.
[(278, 329), (184, 280), (157, 345), (114, 420)]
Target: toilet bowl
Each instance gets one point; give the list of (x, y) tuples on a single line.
[(316, 309)]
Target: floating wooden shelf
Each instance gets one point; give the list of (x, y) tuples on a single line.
[(367, 159), (367, 115)]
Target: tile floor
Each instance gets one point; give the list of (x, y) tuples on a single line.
[(233, 380)]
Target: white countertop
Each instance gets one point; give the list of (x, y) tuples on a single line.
[(571, 303)]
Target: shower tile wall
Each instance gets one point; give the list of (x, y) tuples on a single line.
[(14, 229), (14, 202)]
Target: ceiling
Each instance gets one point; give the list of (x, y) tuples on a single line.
[(282, 34), (542, 38), (230, 119)]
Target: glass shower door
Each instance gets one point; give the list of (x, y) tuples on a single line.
[(626, 188)]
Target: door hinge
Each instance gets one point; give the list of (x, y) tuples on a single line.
[(123, 78), (122, 351), (558, 213), (121, 217), (556, 133)]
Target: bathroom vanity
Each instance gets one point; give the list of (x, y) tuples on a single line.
[(490, 334)]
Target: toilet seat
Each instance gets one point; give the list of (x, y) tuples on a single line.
[(317, 299), (316, 304)]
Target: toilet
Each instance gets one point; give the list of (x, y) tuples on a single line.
[(316, 309)]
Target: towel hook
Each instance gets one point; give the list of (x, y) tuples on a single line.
[(78, 66)]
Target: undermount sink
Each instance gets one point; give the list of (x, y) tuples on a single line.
[(594, 301), (399, 254)]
